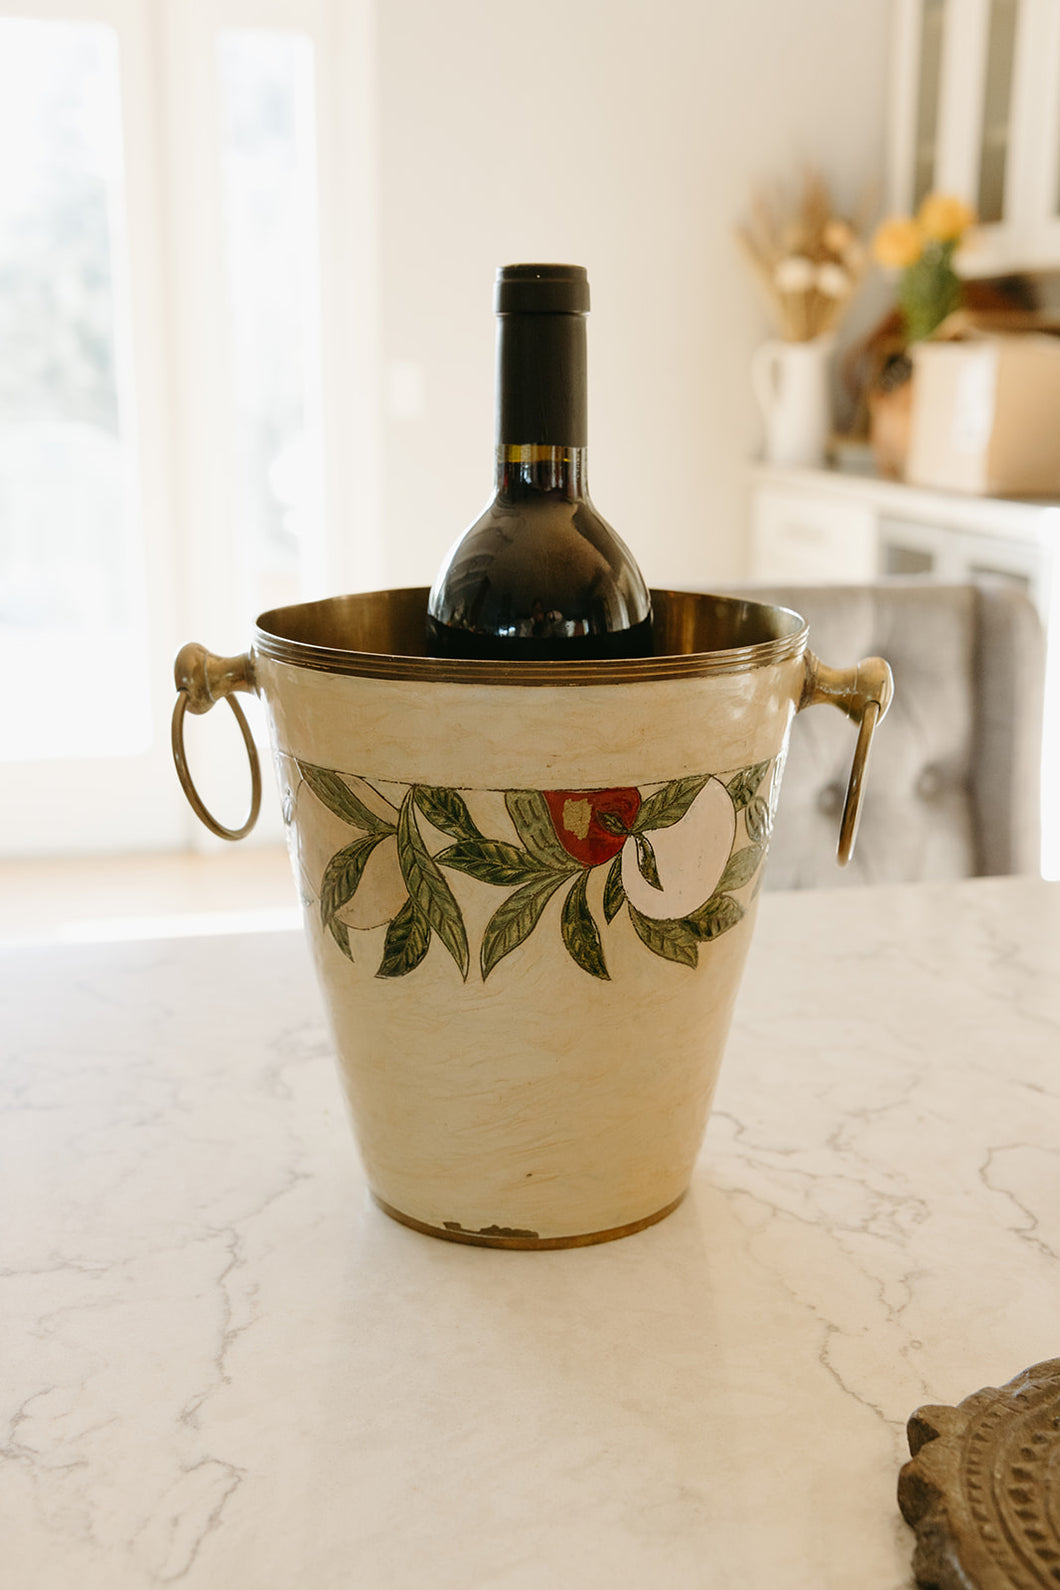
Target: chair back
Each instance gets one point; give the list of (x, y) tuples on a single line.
[(955, 784)]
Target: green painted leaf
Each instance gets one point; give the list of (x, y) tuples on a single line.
[(444, 809), (407, 941), (668, 805), (342, 877), (428, 889), (612, 822), (335, 793), (646, 863), (580, 932), (614, 890), (669, 937), (720, 913), (516, 919), (741, 868), (529, 812), (495, 861), (341, 934), (744, 784), (759, 820)]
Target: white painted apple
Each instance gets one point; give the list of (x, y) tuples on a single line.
[(381, 892), (690, 856)]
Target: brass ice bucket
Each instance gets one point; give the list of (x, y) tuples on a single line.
[(529, 890)]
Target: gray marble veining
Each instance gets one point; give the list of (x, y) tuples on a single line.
[(223, 1366)]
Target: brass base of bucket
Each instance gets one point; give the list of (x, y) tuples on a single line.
[(498, 1237)]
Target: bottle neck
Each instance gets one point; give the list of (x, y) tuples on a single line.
[(529, 467), (541, 381)]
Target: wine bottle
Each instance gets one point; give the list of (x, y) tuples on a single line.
[(540, 575)]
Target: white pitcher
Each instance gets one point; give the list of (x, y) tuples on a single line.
[(791, 383)]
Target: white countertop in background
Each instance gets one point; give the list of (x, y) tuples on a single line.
[(222, 1366), (1030, 519)]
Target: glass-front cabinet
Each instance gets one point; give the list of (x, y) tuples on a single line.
[(976, 112)]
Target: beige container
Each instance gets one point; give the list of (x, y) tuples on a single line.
[(529, 891), (984, 415)]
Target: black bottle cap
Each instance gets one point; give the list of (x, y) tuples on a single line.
[(541, 289)]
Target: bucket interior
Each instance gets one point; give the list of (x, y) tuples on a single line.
[(693, 632)]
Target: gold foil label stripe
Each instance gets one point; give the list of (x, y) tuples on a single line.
[(536, 453)]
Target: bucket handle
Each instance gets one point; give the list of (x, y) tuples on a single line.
[(864, 693), (203, 679)]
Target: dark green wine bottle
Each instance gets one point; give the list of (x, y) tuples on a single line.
[(540, 575)]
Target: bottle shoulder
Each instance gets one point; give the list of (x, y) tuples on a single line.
[(558, 541), (542, 565)]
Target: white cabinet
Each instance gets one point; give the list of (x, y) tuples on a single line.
[(975, 110), (822, 527), (909, 546), (807, 537)]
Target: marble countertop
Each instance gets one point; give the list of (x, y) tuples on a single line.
[(224, 1367)]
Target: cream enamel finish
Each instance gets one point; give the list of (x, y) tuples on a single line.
[(526, 1069), (542, 1101), (504, 737)]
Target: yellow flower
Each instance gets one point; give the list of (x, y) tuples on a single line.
[(944, 217), (898, 241)]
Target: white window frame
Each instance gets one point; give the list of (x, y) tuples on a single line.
[(1029, 235), (184, 391)]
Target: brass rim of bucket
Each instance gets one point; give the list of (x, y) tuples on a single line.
[(694, 639)]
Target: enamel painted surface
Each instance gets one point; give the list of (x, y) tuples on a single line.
[(529, 911), (545, 737)]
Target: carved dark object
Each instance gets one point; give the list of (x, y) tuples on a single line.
[(977, 1489)]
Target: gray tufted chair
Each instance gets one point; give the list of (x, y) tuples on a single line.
[(954, 778)]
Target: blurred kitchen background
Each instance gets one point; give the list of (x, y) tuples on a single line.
[(246, 256)]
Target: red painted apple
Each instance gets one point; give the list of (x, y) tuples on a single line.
[(592, 824)]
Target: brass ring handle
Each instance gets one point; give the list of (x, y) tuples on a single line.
[(201, 680), (848, 828), (864, 693)]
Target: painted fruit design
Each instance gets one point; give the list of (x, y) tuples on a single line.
[(676, 861), (689, 857), (592, 824)]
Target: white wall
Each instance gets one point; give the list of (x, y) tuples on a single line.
[(625, 135)]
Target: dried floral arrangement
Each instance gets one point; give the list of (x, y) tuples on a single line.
[(808, 259)]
